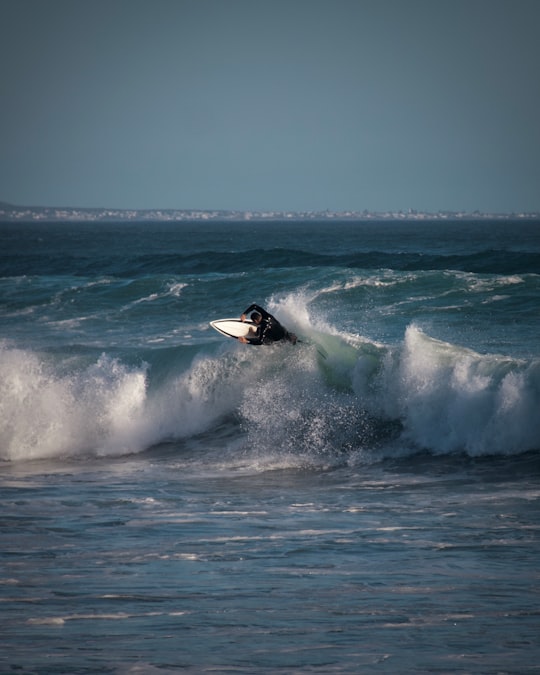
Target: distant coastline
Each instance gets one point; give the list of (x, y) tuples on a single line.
[(10, 213)]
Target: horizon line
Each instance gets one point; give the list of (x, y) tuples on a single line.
[(6, 207)]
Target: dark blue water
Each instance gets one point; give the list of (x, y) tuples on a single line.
[(364, 501)]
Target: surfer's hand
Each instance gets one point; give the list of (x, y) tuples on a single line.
[(243, 340), (243, 317)]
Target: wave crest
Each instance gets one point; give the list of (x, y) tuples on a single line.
[(48, 414), (451, 399), (335, 398)]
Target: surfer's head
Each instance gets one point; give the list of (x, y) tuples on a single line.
[(256, 317)]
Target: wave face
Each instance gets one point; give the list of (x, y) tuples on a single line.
[(414, 337)]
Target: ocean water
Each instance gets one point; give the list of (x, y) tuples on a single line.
[(366, 501)]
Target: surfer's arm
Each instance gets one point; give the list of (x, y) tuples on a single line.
[(255, 340), (254, 337), (256, 308), (250, 341)]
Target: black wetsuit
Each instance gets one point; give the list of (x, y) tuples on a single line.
[(269, 330)]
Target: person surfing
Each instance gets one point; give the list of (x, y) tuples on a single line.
[(267, 328)]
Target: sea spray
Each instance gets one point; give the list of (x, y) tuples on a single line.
[(46, 412), (190, 402), (451, 399), (53, 407)]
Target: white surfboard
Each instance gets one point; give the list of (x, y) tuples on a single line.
[(233, 328)]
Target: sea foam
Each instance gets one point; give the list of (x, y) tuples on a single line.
[(451, 399), (47, 413), (334, 394)]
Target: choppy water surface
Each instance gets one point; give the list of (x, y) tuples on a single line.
[(366, 501)]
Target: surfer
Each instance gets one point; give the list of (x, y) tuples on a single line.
[(267, 330)]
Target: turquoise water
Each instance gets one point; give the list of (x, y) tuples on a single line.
[(365, 501)]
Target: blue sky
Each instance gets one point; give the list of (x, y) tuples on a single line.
[(271, 104)]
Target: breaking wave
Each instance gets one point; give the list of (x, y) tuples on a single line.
[(334, 396)]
